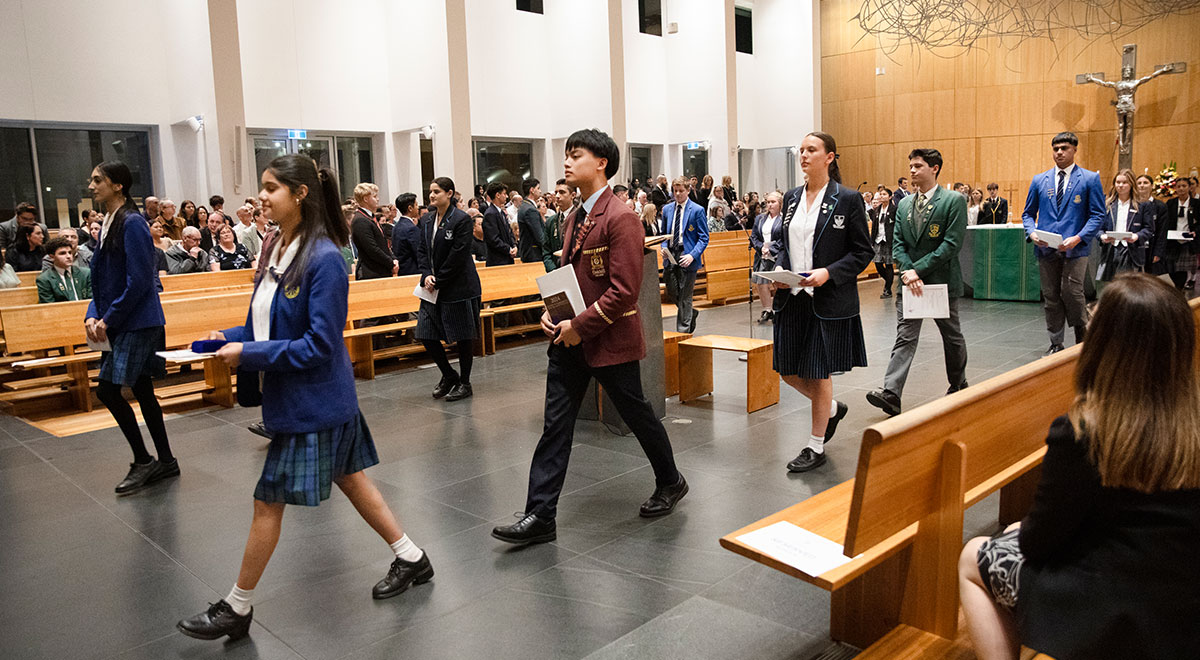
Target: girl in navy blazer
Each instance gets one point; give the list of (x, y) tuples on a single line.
[(292, 340), (817, 328), (125, 312), (1124, 215), (448, 270)]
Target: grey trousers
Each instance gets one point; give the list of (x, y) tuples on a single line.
[(680, 285), (1062, 291), (908, 332)]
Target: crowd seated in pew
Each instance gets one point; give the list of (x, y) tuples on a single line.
[(900, 520)]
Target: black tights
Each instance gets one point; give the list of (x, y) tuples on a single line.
[(143, 390), (466, 353), (886, 272)]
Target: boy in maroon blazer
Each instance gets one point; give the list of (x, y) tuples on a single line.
[(603, 241)]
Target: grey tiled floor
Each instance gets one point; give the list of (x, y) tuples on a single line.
[(84, 574)]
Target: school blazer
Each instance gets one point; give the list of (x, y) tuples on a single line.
[(50, 286), (695, 230), (446, 254), (609, 268), (841, 245), (498, 236), (994, 213), (529, 246), (374, 259), (406, 246), (932, 249), (758, 240), (889, 224), (1140, 222), (1082, 212), (124, 278), (307, 380), (1170, 222)]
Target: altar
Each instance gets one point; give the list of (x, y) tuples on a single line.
[(1002, 264)]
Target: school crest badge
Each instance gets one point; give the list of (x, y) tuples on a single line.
[(291, 292), (935, 231), (1078, 199), (839, 222)]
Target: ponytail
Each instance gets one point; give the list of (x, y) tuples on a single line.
[(835, 172), (335, 223)]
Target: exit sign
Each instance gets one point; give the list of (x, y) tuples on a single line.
[(296, 134), (694, 145)]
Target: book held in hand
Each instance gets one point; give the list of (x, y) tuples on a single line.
[(561, 294)]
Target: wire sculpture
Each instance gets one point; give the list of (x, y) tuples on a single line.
[(957, 25)]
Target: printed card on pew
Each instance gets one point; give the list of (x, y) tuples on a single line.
[(425, 294), (933, 303), (797, 547), (561, 294)]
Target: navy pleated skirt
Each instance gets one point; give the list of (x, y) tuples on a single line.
[(448, 321), (814, 348), (301, 467)]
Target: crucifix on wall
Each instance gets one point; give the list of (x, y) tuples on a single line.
[(1126, 87)]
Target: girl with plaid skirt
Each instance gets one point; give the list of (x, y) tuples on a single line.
[(292, 340), (125, 312)]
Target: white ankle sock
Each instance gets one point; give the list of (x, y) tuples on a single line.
[(239, 600), (406, 549), (817, 444), (832, 408)]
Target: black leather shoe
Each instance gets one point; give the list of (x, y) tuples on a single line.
[(165, 471), (885, 401), (139, 475), (443, 387), (807, 460), (695, 315), (664, 499), (963, 386), (831, 427), (770, 316), (1054, 348), (885, 294), (1081, 330), (402, 575), (529, 529), (258, 428), (217, 621), (459, 392)]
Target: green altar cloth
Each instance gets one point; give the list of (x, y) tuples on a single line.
[(1005, 266)]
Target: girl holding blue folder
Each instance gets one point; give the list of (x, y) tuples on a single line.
[(293, 339)]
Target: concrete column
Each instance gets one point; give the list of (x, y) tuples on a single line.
[(729, 159), (235, 163), (616, 64), (452, 152)]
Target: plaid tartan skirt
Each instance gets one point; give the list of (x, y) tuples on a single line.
[(301, 467), (883, 254), (133, 356)]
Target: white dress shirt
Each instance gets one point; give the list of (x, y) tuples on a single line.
[(264, 296), (802, 233), (1121, 222), (768, 229)]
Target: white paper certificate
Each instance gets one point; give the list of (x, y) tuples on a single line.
[(425, 294), (184, 355), (786, 277), (1050, 238), (797, 547), (933, 303), (1178, 236)]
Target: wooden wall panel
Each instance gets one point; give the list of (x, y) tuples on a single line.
[(992, 110)]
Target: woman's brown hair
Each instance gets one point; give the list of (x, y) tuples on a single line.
[(1137, 397)]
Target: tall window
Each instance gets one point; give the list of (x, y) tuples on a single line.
[(639, 164), (354, 163), (507, 162), (427, 168), (533, 6), (650, 17), (17, 183), (743, 30), (695, 162)]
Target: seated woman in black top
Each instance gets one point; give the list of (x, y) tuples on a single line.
[(27, 252), (1104, 565), (228, 253)]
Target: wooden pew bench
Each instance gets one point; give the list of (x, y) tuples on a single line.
[(696, 371)]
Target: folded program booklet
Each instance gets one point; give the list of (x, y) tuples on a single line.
[(560, 294)]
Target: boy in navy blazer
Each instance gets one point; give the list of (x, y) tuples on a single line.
[(687, 225), (1069, 201)]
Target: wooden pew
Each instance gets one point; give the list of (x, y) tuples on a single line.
[(901, 517), (501, 283)]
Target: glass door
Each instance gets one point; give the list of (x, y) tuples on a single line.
[(267, 149), (320, 149)]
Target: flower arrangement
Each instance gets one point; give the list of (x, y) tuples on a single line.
[(1164, 181)]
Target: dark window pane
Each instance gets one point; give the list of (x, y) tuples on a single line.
[(507, 162), (16, 171), (695, 162), (650, 17), (354, 163), (66, 158), (743, 33), (534, 6), (639, 165), (426, 168)]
